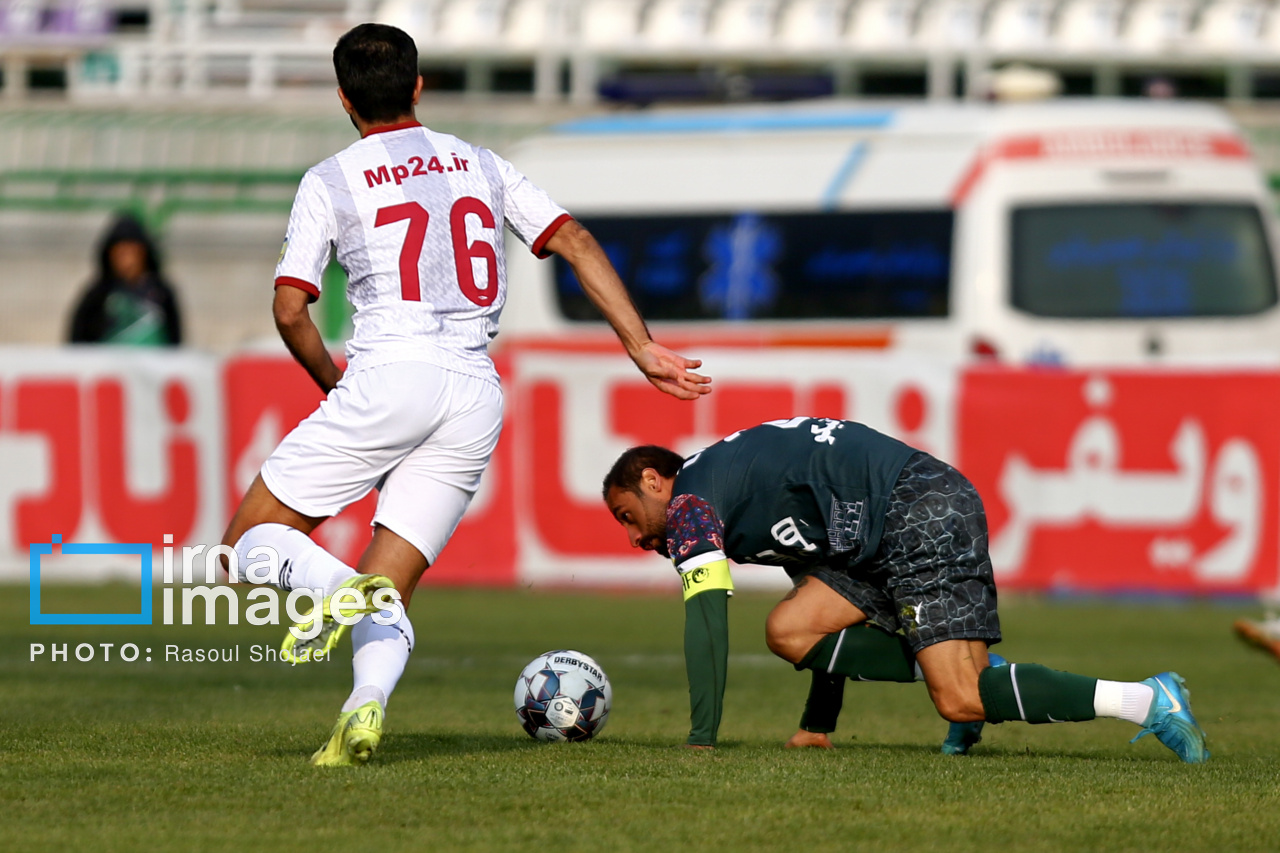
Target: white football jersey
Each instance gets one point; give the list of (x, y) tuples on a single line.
[(415, 218)]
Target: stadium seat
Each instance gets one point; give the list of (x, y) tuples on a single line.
[(881, 24), (951, 24), (1089, 25), (677, 23), (1270, 36), (19, 18), (80, 18), (418, 18), (537, 23), (609, 23), (1020, 25), (60, 21), (1155, 26), (812, 23), (254, 19), (745, 23), (473, 23), (1229, 27)]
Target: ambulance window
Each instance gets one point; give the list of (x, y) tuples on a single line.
[(1141, 260), (774, 266)]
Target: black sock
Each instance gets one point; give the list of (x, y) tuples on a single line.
[(822, 708)]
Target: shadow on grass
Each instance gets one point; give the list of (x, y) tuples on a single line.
[(408, 747), (416, 746), (981, 752)]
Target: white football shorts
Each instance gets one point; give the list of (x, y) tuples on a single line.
[(418, 433)]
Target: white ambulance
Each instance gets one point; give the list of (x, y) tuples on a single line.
[(1058, 232)]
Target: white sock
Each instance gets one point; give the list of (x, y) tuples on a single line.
[(1123, 700), (303, 564), (380, 653)]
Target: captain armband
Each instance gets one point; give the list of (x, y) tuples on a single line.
[(705, 572)]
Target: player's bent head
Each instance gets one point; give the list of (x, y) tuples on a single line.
[(625, 473), (377, 68)]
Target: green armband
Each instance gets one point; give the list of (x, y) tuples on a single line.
[(712, 575)]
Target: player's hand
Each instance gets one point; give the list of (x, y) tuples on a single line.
[(672, 373), (815, 739)]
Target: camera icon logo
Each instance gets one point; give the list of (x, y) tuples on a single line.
[(40, 549)]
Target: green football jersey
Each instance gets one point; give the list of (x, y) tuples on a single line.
[(796, 493)]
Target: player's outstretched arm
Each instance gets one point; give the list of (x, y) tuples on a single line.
[(667, 371), (301, 336)]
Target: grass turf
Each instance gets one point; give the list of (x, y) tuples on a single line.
[(160, 756)]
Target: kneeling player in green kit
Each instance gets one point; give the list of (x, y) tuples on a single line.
[(871, 531)]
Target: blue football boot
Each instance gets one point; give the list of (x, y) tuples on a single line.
[(1170, 718)]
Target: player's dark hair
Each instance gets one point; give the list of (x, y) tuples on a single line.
[(625, 473), (377, 68)]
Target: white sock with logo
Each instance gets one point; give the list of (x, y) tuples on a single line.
[(1123, 700), (380, 654), (303, 564)]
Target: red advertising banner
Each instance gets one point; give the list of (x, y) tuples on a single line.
[(1125, 480), (1096, 481), (108, 445)]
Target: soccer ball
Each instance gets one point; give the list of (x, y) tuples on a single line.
[(563, 695)]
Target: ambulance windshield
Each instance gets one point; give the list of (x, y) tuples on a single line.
[(1141, 260), (757, 265)]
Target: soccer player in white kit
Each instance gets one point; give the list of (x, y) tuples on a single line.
[(415, 219)]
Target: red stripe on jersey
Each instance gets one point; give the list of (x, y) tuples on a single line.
[(305, 286), (539, 245), (387, 128)]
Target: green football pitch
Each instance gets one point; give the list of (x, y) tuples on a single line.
[(114, 755)]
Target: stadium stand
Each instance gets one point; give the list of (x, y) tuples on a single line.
[(568, 49)]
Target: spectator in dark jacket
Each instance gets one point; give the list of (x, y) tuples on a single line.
[(129, 302)]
